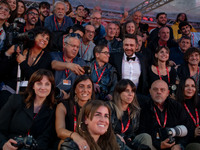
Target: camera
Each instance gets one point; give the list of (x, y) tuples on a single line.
[(14, 37), (25, 143), (87, 70), (178, 131)]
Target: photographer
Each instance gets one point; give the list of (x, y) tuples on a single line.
[(160, 113), (104, 76), (30, 60), (30, 113)]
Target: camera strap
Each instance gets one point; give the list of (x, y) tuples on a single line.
[(33, 120), (158, 120), (196, 122), (160, 75)]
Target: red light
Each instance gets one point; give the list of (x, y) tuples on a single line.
[(151, 19), (145, 18)]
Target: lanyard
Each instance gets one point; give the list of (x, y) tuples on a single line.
[(79, 21), (158, 120), (33, 119), (99, 77), (197, 74), (128, 123), (85, 50), (67, 70), (167, 74), (56, 23), (24, 29), (196, 122), (75, 119)]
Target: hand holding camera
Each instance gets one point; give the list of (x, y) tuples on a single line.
[(25, 143), (8, 145), (165, 144)]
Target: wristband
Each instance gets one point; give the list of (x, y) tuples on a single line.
[(71, 135)]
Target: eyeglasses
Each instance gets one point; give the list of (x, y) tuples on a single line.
[(90, 31), (106, 53), (96, 18), (5, 9), (72, 45), (33, 14), (75, 35)]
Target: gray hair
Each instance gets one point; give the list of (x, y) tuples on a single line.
[(67, 38), (59, 2)]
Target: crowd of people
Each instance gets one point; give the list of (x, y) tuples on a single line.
[(68, 80)]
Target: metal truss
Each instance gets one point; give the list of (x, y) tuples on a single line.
[(148, 5)]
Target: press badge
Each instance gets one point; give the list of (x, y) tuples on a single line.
[(66, 82), (23, 83)]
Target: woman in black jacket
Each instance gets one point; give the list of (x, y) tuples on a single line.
[(126, 114), (31, 113), (187, 96)]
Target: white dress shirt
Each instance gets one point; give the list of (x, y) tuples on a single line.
[(131, 69)]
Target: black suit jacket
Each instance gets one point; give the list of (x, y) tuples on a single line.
[(17, 120), (116, 61)]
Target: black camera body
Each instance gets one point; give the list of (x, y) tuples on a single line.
[(14, 37), (25, 143)]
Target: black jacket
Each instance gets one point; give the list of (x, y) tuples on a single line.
[(17, 120), (116, 61), (175, 116), (183, 72)]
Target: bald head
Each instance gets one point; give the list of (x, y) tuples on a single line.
[(159, 91)]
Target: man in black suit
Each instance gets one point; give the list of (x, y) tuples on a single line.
[(131, 65)]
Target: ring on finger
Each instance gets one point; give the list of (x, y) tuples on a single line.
[(85, 147)]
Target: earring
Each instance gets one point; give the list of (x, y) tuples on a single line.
[(75, 98), (80, 127)]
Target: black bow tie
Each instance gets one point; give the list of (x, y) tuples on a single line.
[(129, 58)]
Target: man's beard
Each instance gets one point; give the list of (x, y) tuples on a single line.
[(161, 24)]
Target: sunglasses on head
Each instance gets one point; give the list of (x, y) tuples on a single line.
[(75, 35)]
